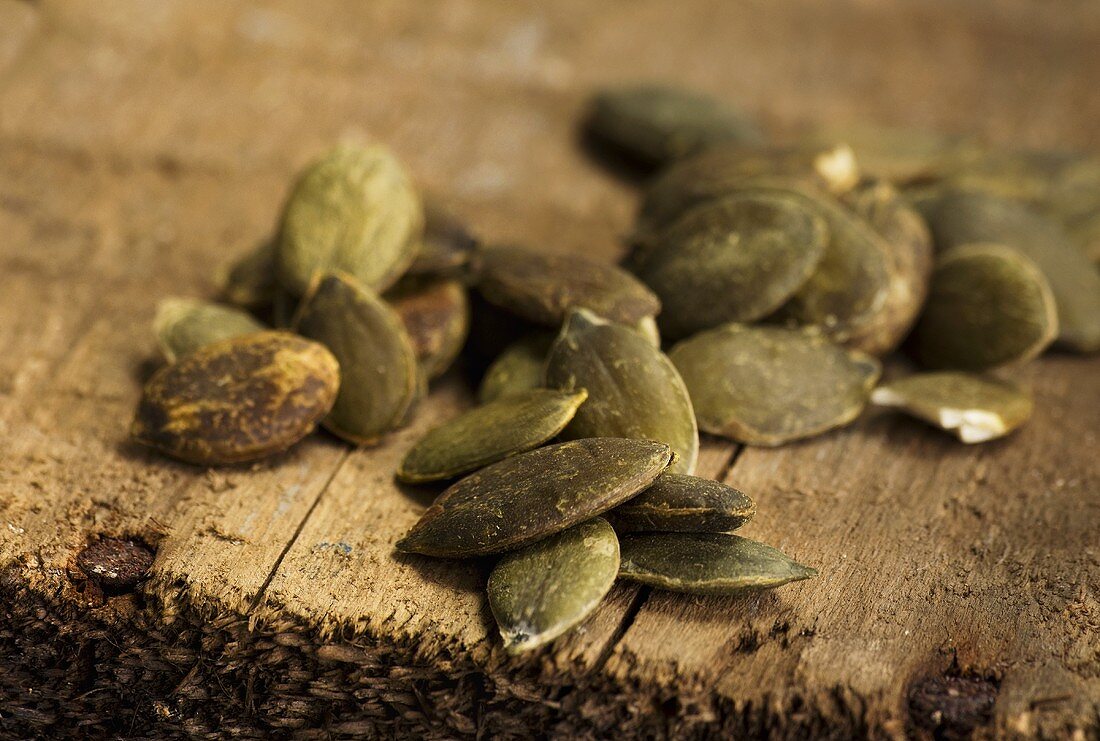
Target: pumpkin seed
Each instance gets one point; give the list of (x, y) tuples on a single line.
[(240, 399), (353, 211), (720, 171), (538, 593), (530, 496), (988, 306), (633, 389), (959, 217), (706, 563), (910, 265), (689, 504), (975, 408), (436, 316), (770, 385), (379, 377), (654, 125), (544, 288), (516, 370), (183, 325), (250, 282), (489, 433), (737, 258), (448, 243)]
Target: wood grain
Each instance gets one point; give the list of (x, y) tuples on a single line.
[(142, 145)]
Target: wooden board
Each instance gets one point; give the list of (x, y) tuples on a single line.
[(143, 144)]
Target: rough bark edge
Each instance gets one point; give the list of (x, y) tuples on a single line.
[(73, 661)]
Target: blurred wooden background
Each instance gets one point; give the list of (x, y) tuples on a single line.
[(142, 144)]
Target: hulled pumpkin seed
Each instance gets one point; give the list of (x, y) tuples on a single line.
[(448, 243), (250, 282), (240, 399), (720, 171), (379, 376), (544, 288), (486, 434), (988, 306), (516, 370), (770, 385), (689, 504), (654, 124), (736, 258), (975, 408), (846, 297), (436, 315), (183, 325), (633, 389), (910, 265), (706, 563), (532, 495), (353, 211), (959, 217), (538, 593)]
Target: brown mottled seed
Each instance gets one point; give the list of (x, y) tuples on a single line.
[(530, 496), (448, 243), (633, 389), (250, 281), (688, 504), (538, 593), (379, 375), (975, 408), (544, 288), (436, 315), (519, 368), (959, 217), (769, 385), (706, 563), (354, 211), (239, 399), (736, 258), (988, 306), (719, 171), (653, 124), (489, 433), (183, 325), (910, 265)]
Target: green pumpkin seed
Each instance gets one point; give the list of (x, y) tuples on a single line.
[(770, 385), (530, 496), (183, 325), (353, 211), (538, 593), (737, 258), (436, 315), (489, 433), (544, 288), (988, 306), (910, 265), (633, 389), (240, 399), (959, 217), (687, 504), (448, 243), (975, 408), (516, 370), (250, 282), (706, 563), (379, 376), (719, 172), (654, 125)]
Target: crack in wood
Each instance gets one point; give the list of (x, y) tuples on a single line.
[(627, 621)]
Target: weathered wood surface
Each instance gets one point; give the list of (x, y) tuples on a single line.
[(142, 144)]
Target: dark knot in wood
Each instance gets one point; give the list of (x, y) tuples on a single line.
[(114, 564), (951, 707)]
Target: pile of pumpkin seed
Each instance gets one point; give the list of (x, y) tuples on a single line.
[(760, 287)]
